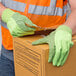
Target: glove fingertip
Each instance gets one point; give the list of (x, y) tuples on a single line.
[(62, 64), (33, 43), (54, 64), (72, 44), (58, 64), (49, 61)]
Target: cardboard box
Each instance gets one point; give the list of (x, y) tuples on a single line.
[(33, 60)]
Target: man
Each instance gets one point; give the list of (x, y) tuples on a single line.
[(50, 13)]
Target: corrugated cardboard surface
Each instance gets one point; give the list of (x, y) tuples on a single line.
[(33, 60)]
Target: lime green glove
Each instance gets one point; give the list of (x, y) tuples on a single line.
[(63, 43), (16, 23), (49, 40)]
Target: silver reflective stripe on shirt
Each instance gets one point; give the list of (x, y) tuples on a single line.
[(68, 10), (51, 10), (4, 25), (34, 9), (18, 6)]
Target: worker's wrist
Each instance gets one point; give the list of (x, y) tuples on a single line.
[(72, 26), (65, 28), (6, 15)]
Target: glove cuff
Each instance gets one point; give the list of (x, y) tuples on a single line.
[(7, 13), (65, 28)]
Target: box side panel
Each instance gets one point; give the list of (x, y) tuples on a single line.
[(28, 62)]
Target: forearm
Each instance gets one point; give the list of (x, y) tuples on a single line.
[(71, 21), (2, 8)]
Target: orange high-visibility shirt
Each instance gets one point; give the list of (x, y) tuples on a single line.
[(43, 13)]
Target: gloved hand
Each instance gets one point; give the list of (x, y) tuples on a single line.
[(49, 40), (16, 23), (61, 41)]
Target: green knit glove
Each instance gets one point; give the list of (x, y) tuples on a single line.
[(49, 40), (60, 42), (16, 23), (63, 43)]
